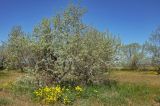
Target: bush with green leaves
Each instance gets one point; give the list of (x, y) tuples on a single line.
[(24, 85)]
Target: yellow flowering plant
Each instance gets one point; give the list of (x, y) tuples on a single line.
[(78, 88), (49, 94), (52, 95)]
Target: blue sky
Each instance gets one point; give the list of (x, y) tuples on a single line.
[(132, 20)]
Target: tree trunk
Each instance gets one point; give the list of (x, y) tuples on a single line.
[(158, 71)]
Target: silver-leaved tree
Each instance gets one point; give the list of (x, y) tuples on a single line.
[(63, 48), (153, 46)]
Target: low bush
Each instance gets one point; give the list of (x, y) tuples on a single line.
[(24, 85)]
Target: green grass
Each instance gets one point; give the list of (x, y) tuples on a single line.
[(5, 101), (3, 74), (110, 95), (124, 93), (157, 99)]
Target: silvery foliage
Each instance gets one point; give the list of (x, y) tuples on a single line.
[(16, 49), (63, 48), (153, 46), (68, 49), (133, 55)]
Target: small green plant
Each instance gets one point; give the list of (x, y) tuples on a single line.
[(157, 99), (5, 101)]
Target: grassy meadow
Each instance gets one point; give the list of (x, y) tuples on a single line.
[(126, 88)]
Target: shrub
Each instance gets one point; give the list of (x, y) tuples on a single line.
[(61, 48), (24, 85), (72, 50)]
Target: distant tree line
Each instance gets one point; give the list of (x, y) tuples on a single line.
[(135, 56)]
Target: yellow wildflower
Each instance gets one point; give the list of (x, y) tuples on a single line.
[(78, 88), (46, 89), (66, 100), (58, 89)]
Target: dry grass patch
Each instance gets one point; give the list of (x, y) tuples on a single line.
[(148, 78), (6, 97)]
